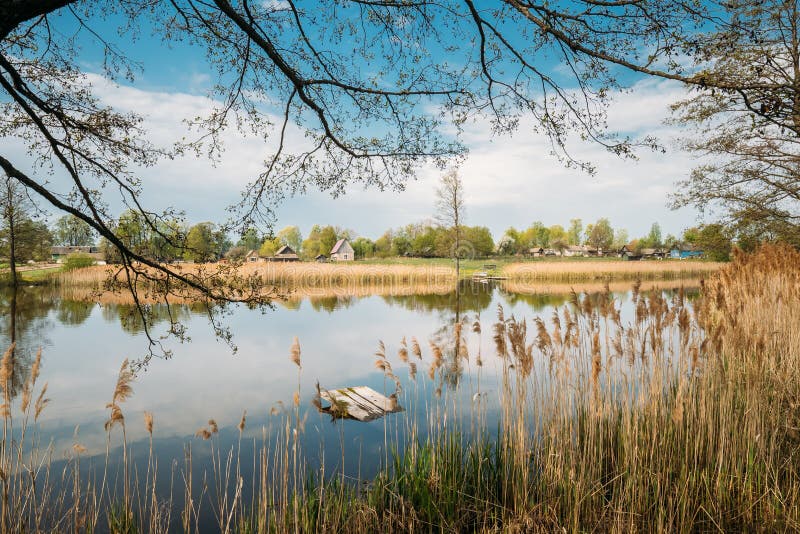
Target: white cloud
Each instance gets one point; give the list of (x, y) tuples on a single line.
[(509, 180), (514, 180)]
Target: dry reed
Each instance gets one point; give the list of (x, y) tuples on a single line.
[(682, 416)]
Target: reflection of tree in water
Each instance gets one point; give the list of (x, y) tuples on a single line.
[(331, 304), (536, 301), (130, 317), (73, 312), (290, 304), (24, 323), (470, 297)]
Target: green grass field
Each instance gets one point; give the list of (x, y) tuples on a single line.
[(28, 275)]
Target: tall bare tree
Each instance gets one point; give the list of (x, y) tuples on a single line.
[(450, 211)]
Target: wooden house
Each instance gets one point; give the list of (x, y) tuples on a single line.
[(58, 254), (285, 253), (536, 252), (251, 256), (685, 251), (574, 250), (342, 251), (322, 258), (653, 253), (590, 251)]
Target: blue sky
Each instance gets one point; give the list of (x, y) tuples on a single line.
[(509, 180)]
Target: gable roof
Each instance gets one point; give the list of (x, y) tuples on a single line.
[(251, 253), (284, 250), (338, 245)]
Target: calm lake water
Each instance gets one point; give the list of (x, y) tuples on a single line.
[(84, 344)]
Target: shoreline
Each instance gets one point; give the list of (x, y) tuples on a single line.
[(308, 275)]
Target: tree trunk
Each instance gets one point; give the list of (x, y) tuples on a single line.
[(12, 253)]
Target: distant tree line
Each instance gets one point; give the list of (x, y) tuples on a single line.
[(205, 241)]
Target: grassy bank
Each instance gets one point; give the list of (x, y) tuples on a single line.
[(681, 418), (30, 275)]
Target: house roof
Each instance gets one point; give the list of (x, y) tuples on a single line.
[(251, 253), (285, 250), (338, 245), (71, 249)]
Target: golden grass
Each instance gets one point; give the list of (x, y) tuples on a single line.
[(347, 278), (610, 270), (87, 293), (528, 287)]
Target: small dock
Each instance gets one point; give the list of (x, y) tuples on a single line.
[(361, 403), (485, 277)]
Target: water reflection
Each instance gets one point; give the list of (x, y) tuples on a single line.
[(85, 342), (23, 327)]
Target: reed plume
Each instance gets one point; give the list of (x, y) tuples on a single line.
[(412, 370), (41, 402), (402, 353), (148, 422), (31, 381), (596, 357), (6, 375), (415, 348), (122, 392), (294, 352), (243, 420), (381, 352), (500, 333)]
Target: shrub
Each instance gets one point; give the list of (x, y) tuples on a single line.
[(78, 260)]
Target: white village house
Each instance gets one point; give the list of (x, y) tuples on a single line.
[(342, 251)]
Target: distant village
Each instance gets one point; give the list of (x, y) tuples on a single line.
[(205, 242)]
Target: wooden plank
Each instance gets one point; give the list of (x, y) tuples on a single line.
[(350, 409), (361, 402), (364, 395)]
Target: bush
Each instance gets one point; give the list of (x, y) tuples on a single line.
[(78, 260)]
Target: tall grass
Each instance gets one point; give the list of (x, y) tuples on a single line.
[(675, 416), (386, 278), (575, 271)]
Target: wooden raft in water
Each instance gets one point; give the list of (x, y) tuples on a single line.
[(361, 403)]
